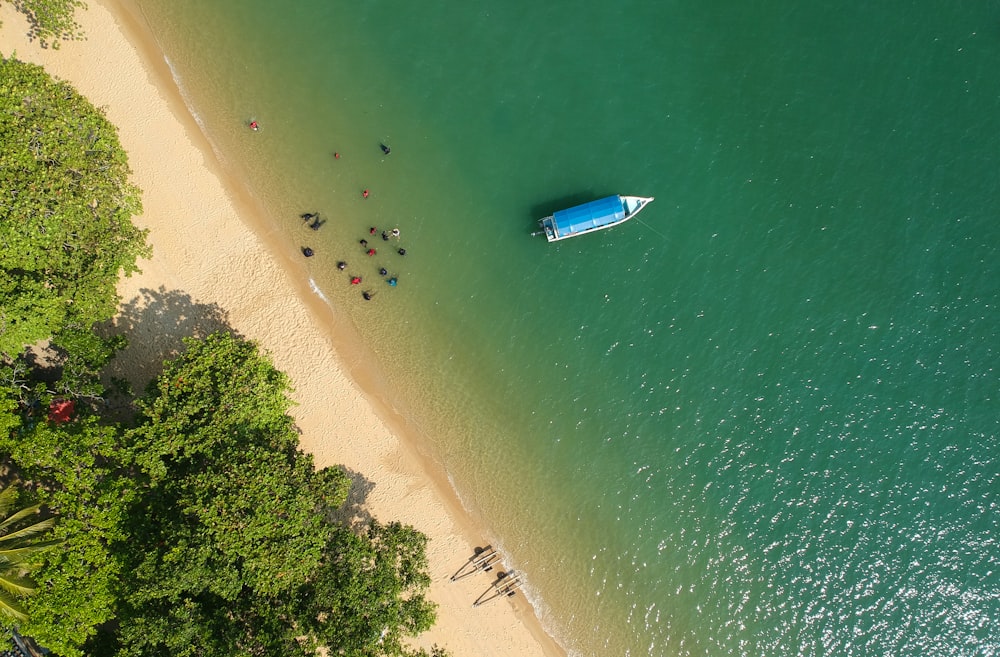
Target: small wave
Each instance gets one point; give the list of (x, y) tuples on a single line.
[(315, 288)]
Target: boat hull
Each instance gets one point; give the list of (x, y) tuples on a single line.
[(593, 216)]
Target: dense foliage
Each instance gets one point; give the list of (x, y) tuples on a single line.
[(235, 517), (66, 206), (199, 528), (51, 20)]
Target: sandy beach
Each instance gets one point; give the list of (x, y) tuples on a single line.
[(211, 269)]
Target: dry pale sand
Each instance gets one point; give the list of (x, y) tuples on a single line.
[(211, 269)]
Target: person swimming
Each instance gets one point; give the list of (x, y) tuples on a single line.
[(401, 251), (356, 280), (371, 231), (367, 295), (395, 233), (382, 271), (307, 252), (365, 193), (385, 149), (392, 281), (317, 223), (341, 265), (385, 236), (371, 252), (254, 126)]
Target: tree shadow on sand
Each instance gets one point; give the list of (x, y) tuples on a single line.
[(354, 511), (155, 322)]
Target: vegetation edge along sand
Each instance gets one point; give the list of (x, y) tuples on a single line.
[(207, 258)]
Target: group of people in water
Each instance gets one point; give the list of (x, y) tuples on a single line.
[(315, 222), (371, 251)]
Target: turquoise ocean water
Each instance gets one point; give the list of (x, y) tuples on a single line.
[(762, 418)]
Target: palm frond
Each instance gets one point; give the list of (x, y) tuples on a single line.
[(16, 548), (9, 607), (17, 554), (30, 530), (20, 515), (17, 584), (7, 498)]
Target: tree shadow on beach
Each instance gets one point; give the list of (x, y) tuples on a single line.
[(155, 322), (354, 512)]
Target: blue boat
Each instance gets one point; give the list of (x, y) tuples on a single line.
[(589, 217)]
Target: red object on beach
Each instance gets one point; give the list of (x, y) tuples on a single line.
[(355, 280)]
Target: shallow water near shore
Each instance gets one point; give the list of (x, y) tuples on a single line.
[(761, 418)]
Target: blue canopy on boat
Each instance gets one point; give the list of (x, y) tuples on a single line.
[(589, 215)]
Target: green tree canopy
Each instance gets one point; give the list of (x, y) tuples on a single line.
[(369, 594), (66, 206), (234, 518), (232, 502)]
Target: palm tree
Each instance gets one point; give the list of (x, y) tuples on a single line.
[(16, 550)]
